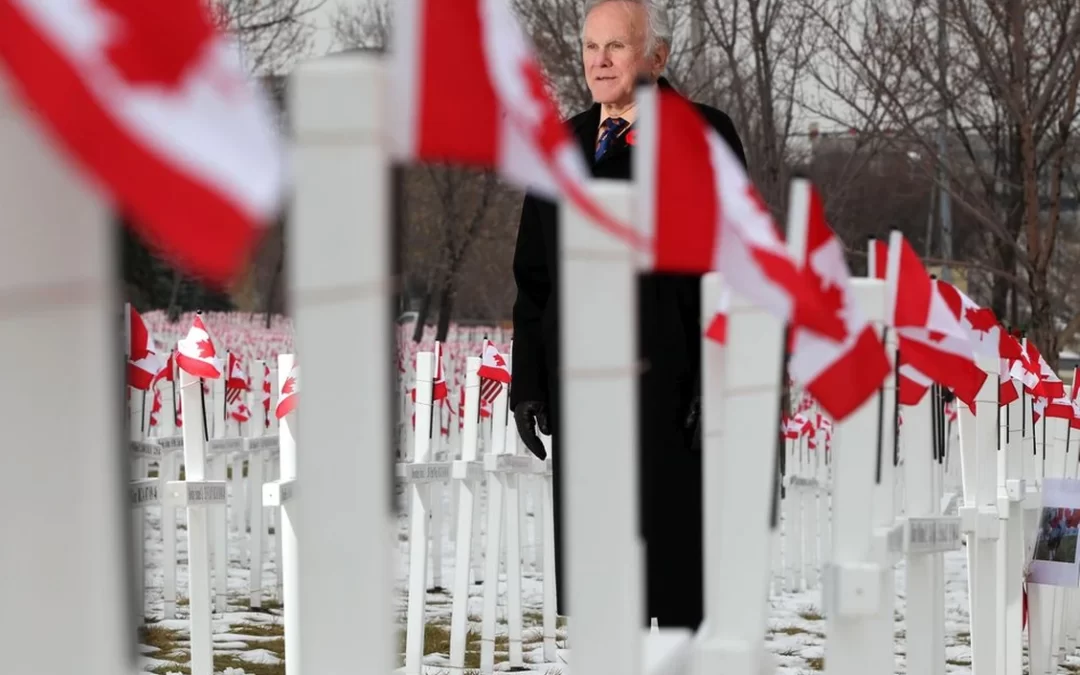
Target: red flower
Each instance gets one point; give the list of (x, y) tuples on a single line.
[(631, 137)]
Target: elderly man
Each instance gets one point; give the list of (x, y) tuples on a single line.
[(623, 40)]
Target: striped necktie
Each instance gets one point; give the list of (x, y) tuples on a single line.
[(611, 128)]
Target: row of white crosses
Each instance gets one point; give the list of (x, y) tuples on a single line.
[(804, 533), (341, 294), (502, 466), (155, 438), (1005, 468), (203, 493)]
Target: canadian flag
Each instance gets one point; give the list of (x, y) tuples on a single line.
[(155, 409), (493, 364), (930, 336), (166, 121), (704, 214), (438, 386), (717, 328), (1060, 408), (290, 389), (1038, 377), (911, 384), (1074, 394), (1007, 391), (494, 372), (196, 355), (144, 362), (1026, 371), (266, 395), (468, 90), (238, 380), (1038, 407), (166, 371), (841, 375), (988, 337), (237, 383)]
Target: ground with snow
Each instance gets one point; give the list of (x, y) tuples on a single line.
[(252, 642)]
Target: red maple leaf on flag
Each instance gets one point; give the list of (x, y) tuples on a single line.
[(206, 348), (290, 385), (156, 43), (832, 298), (981, 319)]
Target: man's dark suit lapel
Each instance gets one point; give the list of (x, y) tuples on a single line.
[(586, 131)]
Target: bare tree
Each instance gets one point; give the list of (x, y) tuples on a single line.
[(764, 48), (456, 239), (271, 33), (1002, 75), (363, 27)]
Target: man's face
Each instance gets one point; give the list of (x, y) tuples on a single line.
[(614, 51)]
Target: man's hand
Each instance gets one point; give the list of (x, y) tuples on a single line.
[(528, 415)]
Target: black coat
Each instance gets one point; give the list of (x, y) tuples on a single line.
[(670, 350)]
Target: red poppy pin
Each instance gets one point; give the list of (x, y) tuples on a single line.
[(631, 137)]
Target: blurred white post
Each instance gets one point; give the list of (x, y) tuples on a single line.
[(1011, 554), (287, 523), (341, 287), (884, 499), (64, 559), (859, 614), (198, 530), (218, 469), (741, 416), (985, 524), (467, 473), (598, 408), (419, 519), (256, 464)]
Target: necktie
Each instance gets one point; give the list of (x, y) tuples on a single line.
[(611, 128)]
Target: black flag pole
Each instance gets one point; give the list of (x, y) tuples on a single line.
[(881, 420), (777, 493)]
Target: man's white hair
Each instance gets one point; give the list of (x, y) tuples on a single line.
[(657, 24)]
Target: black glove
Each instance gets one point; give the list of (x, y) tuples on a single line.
[(528, 415)]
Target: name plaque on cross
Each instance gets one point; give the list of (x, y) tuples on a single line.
[(145, 449), (144, 492), (196, 492), (428, 472), (223, 445), (169, 443), (933, 534), (263, 443)]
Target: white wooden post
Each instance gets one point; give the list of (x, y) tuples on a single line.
[(436, 491), (981, 518), (281, 493), (198, 528), (467, 473), (341, 294), (599, 403), (793, 502), (256, 464), (57, 284), (218, 470), (1012, 491), (859, 614), (420, 495), (741, 401), (138, 514)]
